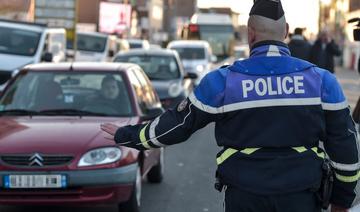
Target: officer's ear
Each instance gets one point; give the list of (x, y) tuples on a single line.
[(251, 36), (287, 30)]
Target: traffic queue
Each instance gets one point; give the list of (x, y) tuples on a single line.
[(54, 98)]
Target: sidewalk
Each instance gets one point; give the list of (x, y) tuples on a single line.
[(350, 82)]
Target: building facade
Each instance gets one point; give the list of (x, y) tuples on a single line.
[(352, 48), (146, 17), (20, 10), (177, 13)]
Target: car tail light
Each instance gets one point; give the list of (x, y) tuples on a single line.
[(193, 28)]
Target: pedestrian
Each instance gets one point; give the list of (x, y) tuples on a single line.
[(270, 112), (323, 51), (299, 46)]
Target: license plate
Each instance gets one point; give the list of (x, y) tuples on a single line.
[(35, 181)]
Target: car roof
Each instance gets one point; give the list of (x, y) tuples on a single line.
[(188, 43), (80, 66), (136, 40), (211, 19), (162, 52), (99, 34), (23, 25)]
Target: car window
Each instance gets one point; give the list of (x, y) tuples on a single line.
[(56, 44), (18, 41), (191, 53), (134, 45), (150, 97), (91, 43), (139, 91), (102, 93), (156, 67)]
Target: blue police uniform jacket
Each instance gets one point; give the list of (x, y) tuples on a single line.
[(271, 112)]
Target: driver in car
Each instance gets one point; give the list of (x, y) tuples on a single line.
[(108, 99), (109, 89)]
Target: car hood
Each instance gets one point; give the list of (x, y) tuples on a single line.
[(162, 87), (11, 62), (49, 135)]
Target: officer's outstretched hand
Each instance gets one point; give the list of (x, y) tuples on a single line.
[(335, 208), (110, 130), (122, 135)]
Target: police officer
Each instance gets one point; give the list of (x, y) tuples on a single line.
[(271, 111)]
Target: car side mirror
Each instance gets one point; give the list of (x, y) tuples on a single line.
[(191, 76), (47, 57), (69, 55), (213, 59), (152, 113), (111, 53)]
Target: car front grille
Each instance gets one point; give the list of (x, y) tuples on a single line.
[(29, 160)]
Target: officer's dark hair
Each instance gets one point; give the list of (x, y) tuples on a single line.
[(298, 31)]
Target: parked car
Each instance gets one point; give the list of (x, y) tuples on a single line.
[(52, 150), (196, 56), (23, 43), (164, 69)]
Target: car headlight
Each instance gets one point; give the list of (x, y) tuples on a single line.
[(175, 90), (100, 156), (200, 68)]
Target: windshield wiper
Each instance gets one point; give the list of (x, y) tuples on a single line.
[(71, 112), (20, 112)]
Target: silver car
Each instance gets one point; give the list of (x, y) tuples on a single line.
[(163, 67), (196, 56)]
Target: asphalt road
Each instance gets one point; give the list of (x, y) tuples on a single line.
[(189, 177)]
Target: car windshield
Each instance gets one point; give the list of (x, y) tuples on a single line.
[(155, 67), (59, 93), (190, 53), (91, 43), (18, 41), (219, 38), (135, 45)]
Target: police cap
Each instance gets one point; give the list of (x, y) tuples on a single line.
[(268, 8)]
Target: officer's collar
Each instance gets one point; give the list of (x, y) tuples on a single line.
[(269, 48)]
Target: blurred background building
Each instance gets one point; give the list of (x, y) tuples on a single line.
[(22, 10), (352, 49)]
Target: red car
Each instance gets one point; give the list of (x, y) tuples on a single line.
[(52, 150)]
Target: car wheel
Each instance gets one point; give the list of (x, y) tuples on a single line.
[(156, 173), (133, 204)]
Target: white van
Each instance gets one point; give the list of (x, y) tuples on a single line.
[(23, 43), (196, 56), (95, 46)]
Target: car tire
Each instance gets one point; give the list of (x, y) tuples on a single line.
[(156, 173), (133, 204)]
